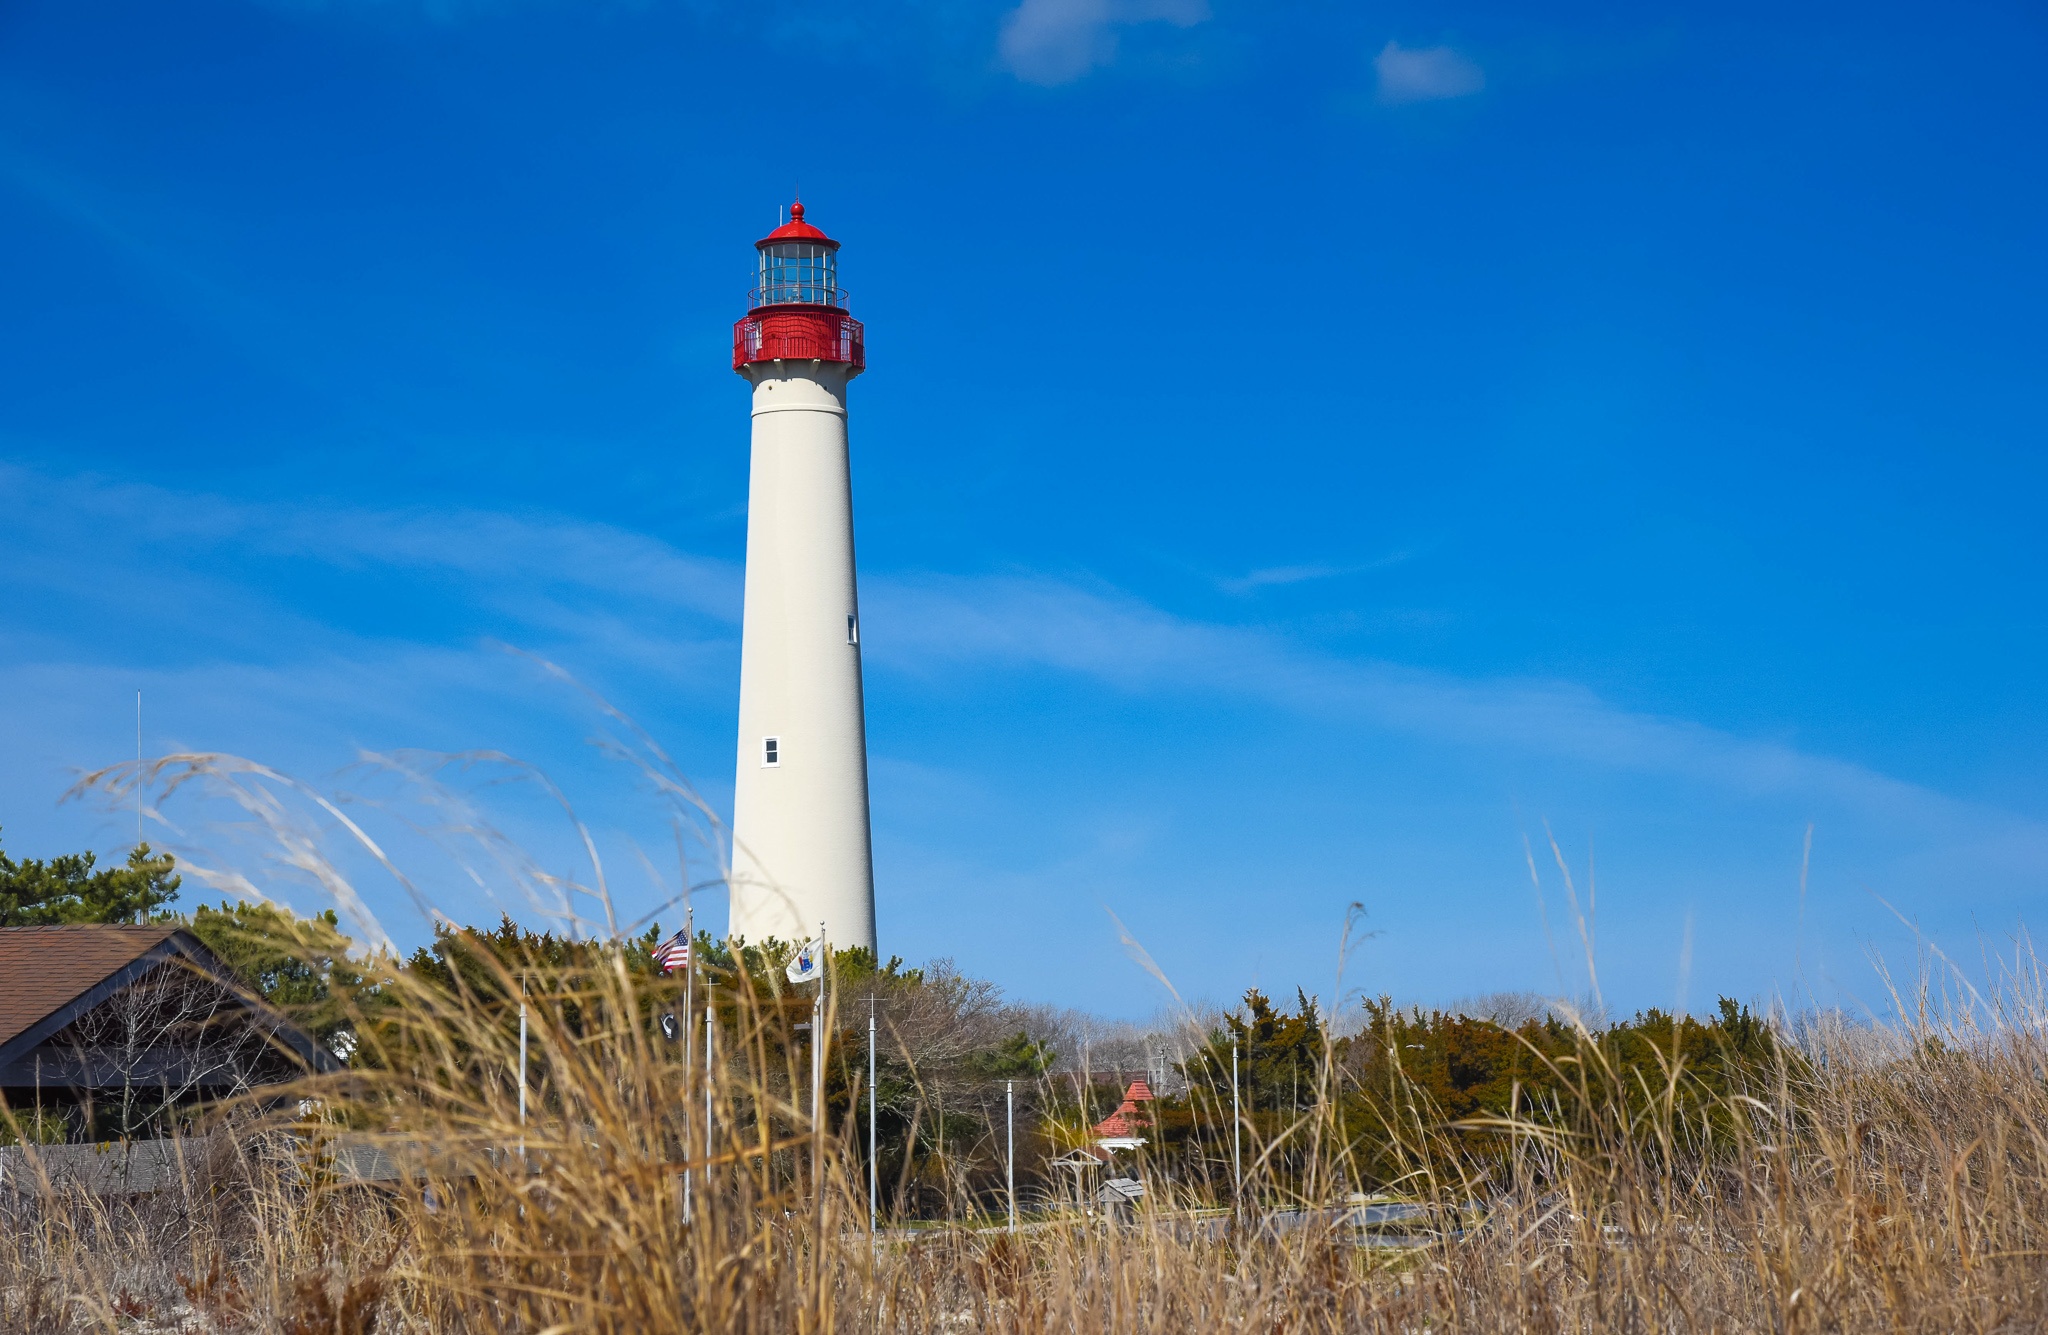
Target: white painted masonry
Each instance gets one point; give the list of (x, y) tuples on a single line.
[(801, 852)]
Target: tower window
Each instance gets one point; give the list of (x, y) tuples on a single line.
[(852, 629), (771, 752)]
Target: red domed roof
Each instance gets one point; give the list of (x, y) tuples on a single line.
[(796, 229)]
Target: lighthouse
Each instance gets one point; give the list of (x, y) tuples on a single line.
[(800, 854)]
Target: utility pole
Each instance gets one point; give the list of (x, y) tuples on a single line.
[(1010, 1154)]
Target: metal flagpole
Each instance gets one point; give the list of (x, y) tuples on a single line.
[(817, 1065), (874, 1169), (818, 1069), (1236, 1134), (708, 1033), (818, 1033), (1010, 1137), (689, 1037), (522, 1066)]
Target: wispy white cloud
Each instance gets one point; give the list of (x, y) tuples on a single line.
[(1058, 41), (606, 596), (923, 625), (1274, 576), (302, 634), (176, 553), (1279, 576), (1425, 73), (487, 546), (243, 620)]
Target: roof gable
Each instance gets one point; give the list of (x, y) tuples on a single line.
[(43, 968), (49, 976)]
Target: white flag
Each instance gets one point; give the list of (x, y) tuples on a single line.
[(808, 961)]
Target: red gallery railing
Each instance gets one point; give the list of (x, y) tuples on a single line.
[(798, 333)]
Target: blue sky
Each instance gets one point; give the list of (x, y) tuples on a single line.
[(1309, 452)]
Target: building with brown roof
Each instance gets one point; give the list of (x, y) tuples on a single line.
[(108, 1031)]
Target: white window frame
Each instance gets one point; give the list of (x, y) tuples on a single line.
[(771, 753), (853, 628)]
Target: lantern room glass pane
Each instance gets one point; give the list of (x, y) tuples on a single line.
[(798, 273)]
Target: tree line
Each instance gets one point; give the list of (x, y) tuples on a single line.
[(1400, 1091)]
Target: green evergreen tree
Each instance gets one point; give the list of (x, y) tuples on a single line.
[(299, 965), (71, 888)]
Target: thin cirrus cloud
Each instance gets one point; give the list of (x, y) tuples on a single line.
[(1270, 577), (1058, 41), (1425, 74), (923, 625), (72, 529), (601, 598)]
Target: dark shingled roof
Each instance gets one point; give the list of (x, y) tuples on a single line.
[(50, 975), (42, 968)]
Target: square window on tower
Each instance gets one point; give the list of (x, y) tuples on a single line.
[(771, 752)]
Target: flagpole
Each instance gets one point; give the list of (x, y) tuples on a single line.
[(522, 1067), (708, 1032), (689, 1038), (818, 1068), (1236, 1130), (874, 1169), (821, 963)]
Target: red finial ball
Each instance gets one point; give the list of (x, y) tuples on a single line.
[(796, 229)]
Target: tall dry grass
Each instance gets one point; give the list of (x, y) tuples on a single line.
[(1866, 1178), (1877, 1180)]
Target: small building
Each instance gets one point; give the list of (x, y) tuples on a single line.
[(1119, 1130), (1120, 1193), (113, 1032)]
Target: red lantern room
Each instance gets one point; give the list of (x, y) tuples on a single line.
[(798, 309)]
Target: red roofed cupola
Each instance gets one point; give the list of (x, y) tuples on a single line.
[(796, 229), (797, 310), (1124, 1122), (1127, 1120)]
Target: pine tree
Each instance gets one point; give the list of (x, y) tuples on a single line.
[(71, 889)]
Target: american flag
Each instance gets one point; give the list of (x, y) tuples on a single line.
[(674, 953)]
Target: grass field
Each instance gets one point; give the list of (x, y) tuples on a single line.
[(1866, 1180), (1664, 1174)]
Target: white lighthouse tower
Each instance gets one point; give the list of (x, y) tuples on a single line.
[(800, 808)]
